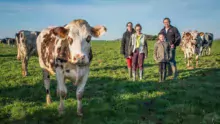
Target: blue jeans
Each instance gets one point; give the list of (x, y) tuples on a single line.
[(172, 69), (173, 58)]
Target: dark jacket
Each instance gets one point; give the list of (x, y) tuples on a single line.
[(125, 42), (161, 51), (172, 36)]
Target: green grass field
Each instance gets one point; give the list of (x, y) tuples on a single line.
[(110, 97)]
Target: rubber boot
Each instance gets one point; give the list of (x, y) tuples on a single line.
[(164, 75), (130, 72), (169, 68), (134, 75), (141, 74), (174, 69), (160, 77)]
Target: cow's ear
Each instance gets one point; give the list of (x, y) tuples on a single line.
[(60, 32), (98, 31)]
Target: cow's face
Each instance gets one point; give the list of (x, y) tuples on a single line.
[(187, 36), (194, 35), (79, 34)]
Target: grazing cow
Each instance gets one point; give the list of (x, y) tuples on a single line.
[(26, 46), (207, 43), (190, 45), (9, 41), (3, 41), (66, 52)]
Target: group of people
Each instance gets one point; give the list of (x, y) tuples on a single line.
[(135, 49)]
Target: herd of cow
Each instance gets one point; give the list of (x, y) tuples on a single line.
[(66, 52), (195, 43), (9, 41)]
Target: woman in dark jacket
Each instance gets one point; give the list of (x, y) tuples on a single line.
[(125, 45)]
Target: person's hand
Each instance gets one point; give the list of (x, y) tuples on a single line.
[(172, 46)]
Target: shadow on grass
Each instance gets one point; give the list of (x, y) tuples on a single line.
[(108, 100), (8, 55), (119, 67)]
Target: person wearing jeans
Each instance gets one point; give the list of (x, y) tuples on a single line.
[(172, 36), (138, 51), (124, 46)]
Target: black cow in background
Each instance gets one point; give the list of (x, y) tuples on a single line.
[(9, 41), (207, 44)]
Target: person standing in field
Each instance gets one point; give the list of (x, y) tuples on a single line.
[(124, 46), (162, 56), (172, 36), (138, 51)]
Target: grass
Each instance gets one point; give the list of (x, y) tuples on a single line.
[(110, 97)]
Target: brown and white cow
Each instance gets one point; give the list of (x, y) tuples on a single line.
[(26, 46), (66, 52), (190, 47)]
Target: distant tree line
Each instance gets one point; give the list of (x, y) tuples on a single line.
[(149, 37)]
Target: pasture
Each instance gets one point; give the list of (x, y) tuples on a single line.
[(110, 97)]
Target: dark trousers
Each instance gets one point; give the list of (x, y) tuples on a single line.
[(162, 70), (137, 60)]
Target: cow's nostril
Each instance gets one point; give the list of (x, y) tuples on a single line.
[(83, 56), (77, 55)]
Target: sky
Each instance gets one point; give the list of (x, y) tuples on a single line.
[(34, 15)]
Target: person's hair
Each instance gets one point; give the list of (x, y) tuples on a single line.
[(129, 23), (138, 25), (166, 19), (159, 35)]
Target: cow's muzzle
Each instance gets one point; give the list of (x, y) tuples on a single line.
[(79, 59)]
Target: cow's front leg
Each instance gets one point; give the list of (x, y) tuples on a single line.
[(61, 87), (197, 61), (209, 53), (46, 78), (24, 66), (185, 56), (18, 53), (80, 91)]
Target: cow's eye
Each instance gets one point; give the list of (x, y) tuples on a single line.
[(88, 39)]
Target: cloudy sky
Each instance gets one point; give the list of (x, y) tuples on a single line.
[(202, 15)]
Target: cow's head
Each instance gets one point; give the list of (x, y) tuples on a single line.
[(187, 36), (201, 34), (195, 35), (78, 33)]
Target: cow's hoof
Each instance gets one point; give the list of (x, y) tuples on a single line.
[(24, 74), (190, 67), (80, 114), (61, 110), (48, 99)]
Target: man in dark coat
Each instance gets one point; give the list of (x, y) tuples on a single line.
[(173, 37), (125, 44)]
